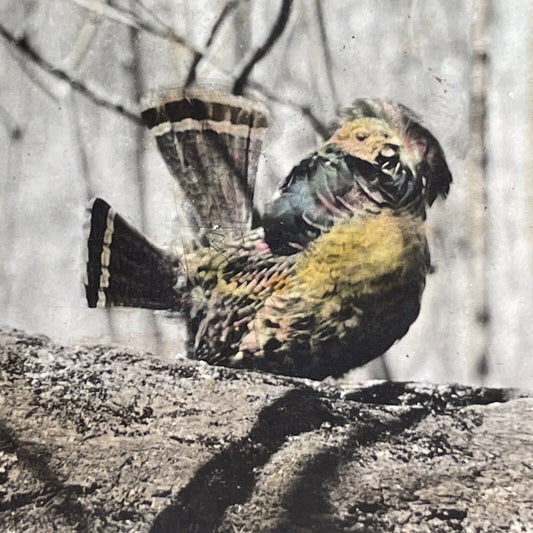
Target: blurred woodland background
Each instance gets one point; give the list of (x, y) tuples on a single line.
[(73, 72)]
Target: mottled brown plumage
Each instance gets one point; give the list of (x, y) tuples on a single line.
[(332, 274)]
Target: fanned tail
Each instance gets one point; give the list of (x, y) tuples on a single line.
[(124, 268), (210, 141)]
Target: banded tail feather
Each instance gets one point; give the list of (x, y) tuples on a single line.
[(210, 142), (124, 268)]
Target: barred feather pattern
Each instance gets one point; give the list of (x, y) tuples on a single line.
[(123, 267), (211, 143)]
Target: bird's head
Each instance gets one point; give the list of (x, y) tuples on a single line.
[(388, 133)]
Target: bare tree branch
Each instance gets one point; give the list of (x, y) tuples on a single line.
[(261, 52), (478, 221), (79, 142), (32, 74), (25, 48), (138, 167), (84, 39), (228, 8), (317, 124), (156, 18), (128, 18), (9, 206), (328, 62)]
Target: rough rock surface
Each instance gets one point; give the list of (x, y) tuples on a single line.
[(99, 438)]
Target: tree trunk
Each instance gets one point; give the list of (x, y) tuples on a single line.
[(102, 438)]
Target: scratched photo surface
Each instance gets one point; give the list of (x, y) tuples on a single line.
[(82, 116)]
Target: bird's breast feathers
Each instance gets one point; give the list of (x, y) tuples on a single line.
[(369, 269), (363, 255)]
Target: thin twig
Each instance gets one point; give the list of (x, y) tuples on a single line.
[(32, 74), (320, 128), (24, 47), (328, 62), (154, 16), (317, 124), (260, 53), (228, 8), (79, 142), (84, 40), (128, 18)]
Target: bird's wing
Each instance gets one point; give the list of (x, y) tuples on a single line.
[(330, 185), (236, 285)]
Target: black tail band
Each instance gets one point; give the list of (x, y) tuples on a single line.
[(124, 268)]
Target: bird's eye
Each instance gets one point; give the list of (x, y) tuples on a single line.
[(361, 135)]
